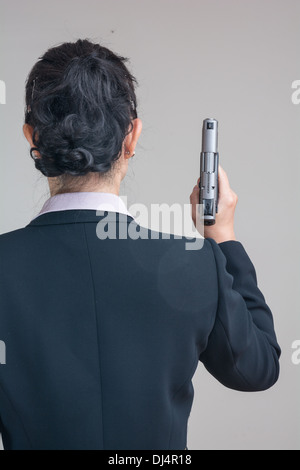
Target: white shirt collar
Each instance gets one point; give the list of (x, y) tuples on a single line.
[(84, 200)]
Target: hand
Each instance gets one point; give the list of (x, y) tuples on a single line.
[(223, 229)]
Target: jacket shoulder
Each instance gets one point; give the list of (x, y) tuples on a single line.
[(8, 237), (14, 241)]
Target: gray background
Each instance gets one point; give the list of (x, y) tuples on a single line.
[(234, 60)]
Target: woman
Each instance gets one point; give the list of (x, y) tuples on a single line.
[(103, 336)]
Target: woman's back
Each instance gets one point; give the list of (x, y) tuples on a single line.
[(103, 337)]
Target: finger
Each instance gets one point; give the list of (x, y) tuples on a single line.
[(194, 200), (224, 186), (194, 197)]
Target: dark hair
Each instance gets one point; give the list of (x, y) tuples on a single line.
[(80, 101)]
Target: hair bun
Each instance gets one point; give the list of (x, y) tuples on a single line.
[(78, 161), (82, 102)]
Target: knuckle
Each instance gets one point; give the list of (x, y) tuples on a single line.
[(232, 199)]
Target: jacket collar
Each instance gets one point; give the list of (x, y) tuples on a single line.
[(75, 216)]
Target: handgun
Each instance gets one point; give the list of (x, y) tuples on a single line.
[(209, 162)]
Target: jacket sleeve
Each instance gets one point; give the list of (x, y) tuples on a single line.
[(242, 350)]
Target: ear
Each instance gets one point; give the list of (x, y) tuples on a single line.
[(133, 137), (28, 131)]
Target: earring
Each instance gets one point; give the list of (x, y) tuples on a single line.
[(127, 153), (33, 155)]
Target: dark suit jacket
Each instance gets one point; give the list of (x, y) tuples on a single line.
[(103, 337)]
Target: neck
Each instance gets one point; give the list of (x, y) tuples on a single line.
[(92, 182)]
